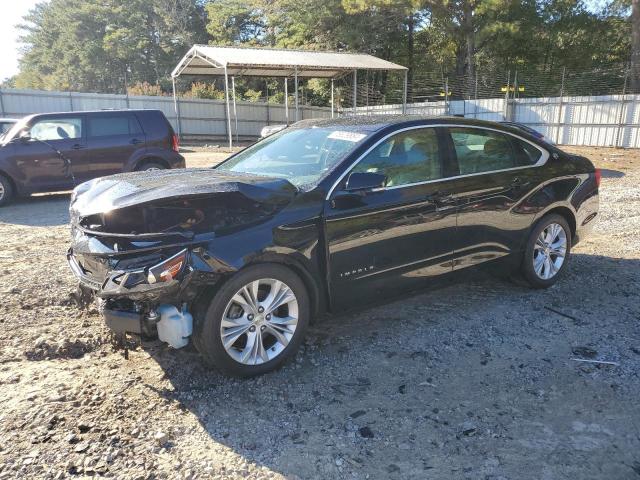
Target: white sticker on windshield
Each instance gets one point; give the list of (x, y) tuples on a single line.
[(347, 136)]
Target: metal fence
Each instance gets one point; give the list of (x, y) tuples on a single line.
[(196, 119), (596, 107), (605, 121)]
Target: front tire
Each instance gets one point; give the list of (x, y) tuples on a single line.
[(6, 191), (255, 321), (547, 251)]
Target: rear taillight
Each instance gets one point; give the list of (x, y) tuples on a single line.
[(598, 177), (175, 142)]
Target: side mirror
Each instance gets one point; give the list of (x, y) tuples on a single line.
[(24, 136), (365, 181)]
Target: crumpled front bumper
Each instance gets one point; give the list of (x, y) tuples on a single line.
[(129, 284)]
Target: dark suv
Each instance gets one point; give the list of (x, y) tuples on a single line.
[(57, 151)]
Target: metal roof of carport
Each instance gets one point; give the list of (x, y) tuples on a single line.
[(283, 63), (272, 62)]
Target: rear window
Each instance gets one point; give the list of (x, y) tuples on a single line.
[(113, 125)]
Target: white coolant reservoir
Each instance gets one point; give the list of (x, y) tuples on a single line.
[(175, 326)]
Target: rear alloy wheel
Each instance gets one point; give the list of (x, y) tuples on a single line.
[(255, 322), (6, 191), (547, 251)]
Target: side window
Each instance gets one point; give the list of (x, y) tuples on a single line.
[(481, 150), (50, 129), (408, 157), (110, 125), (526, 153)]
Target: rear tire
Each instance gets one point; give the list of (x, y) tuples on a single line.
[(547, 251), (242, 337), (151, 166), (6, 191)]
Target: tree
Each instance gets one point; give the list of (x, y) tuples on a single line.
[(91, 46)]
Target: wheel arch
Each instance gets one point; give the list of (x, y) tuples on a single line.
[(317, 294), (12, 181)]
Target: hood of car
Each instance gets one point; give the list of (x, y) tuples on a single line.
[(123, 190), (176, 201)]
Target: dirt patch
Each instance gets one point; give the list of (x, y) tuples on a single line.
[(481, 379)]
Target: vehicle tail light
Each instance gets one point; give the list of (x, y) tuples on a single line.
[(169, 269), (175, 142), (598, 177)]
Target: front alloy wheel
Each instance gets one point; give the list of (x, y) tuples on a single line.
[(255, 321), (259, 321)]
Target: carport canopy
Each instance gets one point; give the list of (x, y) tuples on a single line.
[(283, 63)]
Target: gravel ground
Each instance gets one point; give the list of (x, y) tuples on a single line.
[(473, 380)]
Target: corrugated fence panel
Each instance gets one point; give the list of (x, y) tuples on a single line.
[(198, 117), (611, 120)]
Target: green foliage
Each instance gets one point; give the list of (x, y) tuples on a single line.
[(204, 90), (145, 88), (92, 46)]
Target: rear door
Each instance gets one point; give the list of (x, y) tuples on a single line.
[(113, 138), (391, 238), (496, 171), (55, 155)]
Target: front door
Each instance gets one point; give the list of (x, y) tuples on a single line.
[(496, 172), (54, 155), (386, 240), (113, 139)]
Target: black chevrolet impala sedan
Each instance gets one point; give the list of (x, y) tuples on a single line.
[(322, 216)]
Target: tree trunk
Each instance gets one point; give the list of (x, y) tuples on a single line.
[(635, 46)]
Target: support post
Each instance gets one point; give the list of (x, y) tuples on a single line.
[(267, 105), (331, 98), (447, 110), (355, 91), (506, 97), (295, 84), (235, 110), (286, 99), (2, 104), (226, 97), (559, 127), (404, 91), (176, 107), (621, 115)]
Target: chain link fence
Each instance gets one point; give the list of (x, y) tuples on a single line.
[(597, 107)]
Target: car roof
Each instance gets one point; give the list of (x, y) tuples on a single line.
[(372, 123), (85, 112)]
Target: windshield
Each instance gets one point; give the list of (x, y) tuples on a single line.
[(301, 155), (15, 128)]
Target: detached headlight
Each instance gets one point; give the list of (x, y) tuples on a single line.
[(168, 269)]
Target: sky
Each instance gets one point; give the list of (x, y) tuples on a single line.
[(12, 13), (14, 10)]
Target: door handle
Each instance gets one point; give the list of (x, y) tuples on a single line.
[(518, 183), (77, 146), (135, 141)]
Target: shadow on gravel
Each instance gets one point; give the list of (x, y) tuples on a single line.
[(607, 173), (426, 385), (37, 211)]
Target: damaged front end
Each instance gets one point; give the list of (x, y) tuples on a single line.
[(144, 244)]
